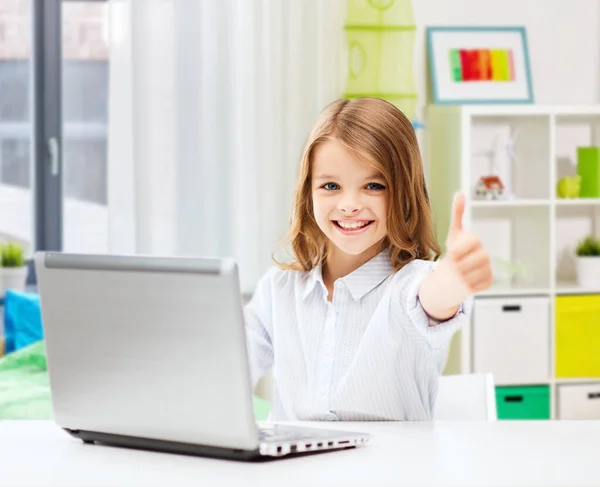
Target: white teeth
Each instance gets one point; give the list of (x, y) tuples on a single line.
[(353, 225)]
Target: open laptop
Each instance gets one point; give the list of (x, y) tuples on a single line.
[(150, 352)]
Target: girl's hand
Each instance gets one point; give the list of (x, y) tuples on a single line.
[(465, 255), (464, 270)]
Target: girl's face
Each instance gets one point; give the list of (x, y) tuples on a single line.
[(349, 199)]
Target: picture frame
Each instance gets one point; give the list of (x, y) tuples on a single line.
[(474, 65)]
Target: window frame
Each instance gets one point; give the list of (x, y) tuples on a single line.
[(47, 116), (47, 146)]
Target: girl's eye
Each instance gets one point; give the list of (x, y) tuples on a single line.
[(375, 186), (330, 186)]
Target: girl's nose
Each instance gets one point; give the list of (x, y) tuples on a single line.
[(349, 206)]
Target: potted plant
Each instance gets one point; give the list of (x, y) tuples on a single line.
[(588, 262), (13, 271)]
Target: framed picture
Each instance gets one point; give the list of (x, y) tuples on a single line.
[(479, 65)]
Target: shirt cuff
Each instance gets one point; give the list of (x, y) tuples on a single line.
[(437, 333), (434, 321)]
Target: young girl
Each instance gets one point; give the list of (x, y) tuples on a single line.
[(358, 325)]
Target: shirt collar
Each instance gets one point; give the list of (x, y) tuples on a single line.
[(314, 277), (359, 282)]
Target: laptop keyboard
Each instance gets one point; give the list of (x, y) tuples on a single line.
[(278, 432)]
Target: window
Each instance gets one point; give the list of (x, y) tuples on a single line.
[(53, 124)]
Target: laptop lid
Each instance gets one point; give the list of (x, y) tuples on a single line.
[(150, 347)]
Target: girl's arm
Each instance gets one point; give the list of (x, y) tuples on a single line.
[(463, 271), (259, 326)]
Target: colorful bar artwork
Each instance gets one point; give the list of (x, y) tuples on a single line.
[(481, 65), (455, 65)]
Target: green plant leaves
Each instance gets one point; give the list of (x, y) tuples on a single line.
[(11, 255), (588, 247)]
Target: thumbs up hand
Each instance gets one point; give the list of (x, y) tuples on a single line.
[(464, 270), (465, 254), (458, 210)]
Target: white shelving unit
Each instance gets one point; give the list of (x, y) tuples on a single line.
[(535, 227)]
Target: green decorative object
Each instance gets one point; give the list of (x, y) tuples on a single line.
[(569, 187), (24, 384), (380, 36), (530, 402), (588, 167), (379, 13), (11, 255), (588, 247)]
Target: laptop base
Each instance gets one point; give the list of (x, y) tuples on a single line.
[(164, 446)]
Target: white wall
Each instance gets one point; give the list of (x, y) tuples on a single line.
[(563, 38)]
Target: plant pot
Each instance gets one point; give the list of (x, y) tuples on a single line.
[(12, 278), (588, 271)]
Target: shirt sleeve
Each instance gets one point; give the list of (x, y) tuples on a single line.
[(407, 311), (258, 325)]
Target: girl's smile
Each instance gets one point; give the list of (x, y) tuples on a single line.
[(352, 227)]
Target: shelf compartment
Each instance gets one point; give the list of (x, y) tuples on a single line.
[(511, 339), (577, 336), (520, 149), (515, 237), (573, 131), (572, 224), (578, 401)]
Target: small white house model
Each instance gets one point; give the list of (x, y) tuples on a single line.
[(489, 187)]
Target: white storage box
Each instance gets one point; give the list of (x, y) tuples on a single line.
[(579, 401), (511, 339)]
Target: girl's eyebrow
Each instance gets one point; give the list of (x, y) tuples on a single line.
[(319, 176), (372, 176)]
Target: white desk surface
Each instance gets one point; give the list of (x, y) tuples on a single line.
[(532, 453)]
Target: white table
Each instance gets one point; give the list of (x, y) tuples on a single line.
[(38, 453)]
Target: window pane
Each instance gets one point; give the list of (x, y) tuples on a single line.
[(84, 112), (16, 175)]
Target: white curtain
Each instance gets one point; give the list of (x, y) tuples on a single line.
[(211, 102)]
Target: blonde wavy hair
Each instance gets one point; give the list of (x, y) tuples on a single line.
[(379, 134)]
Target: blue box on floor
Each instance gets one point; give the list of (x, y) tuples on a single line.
[(22, 319)]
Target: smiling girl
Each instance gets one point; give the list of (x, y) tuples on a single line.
[(358, 325)]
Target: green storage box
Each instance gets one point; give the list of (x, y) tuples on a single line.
[(588, 167), (525, 402)]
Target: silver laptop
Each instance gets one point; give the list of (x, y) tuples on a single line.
[(150, 352)]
